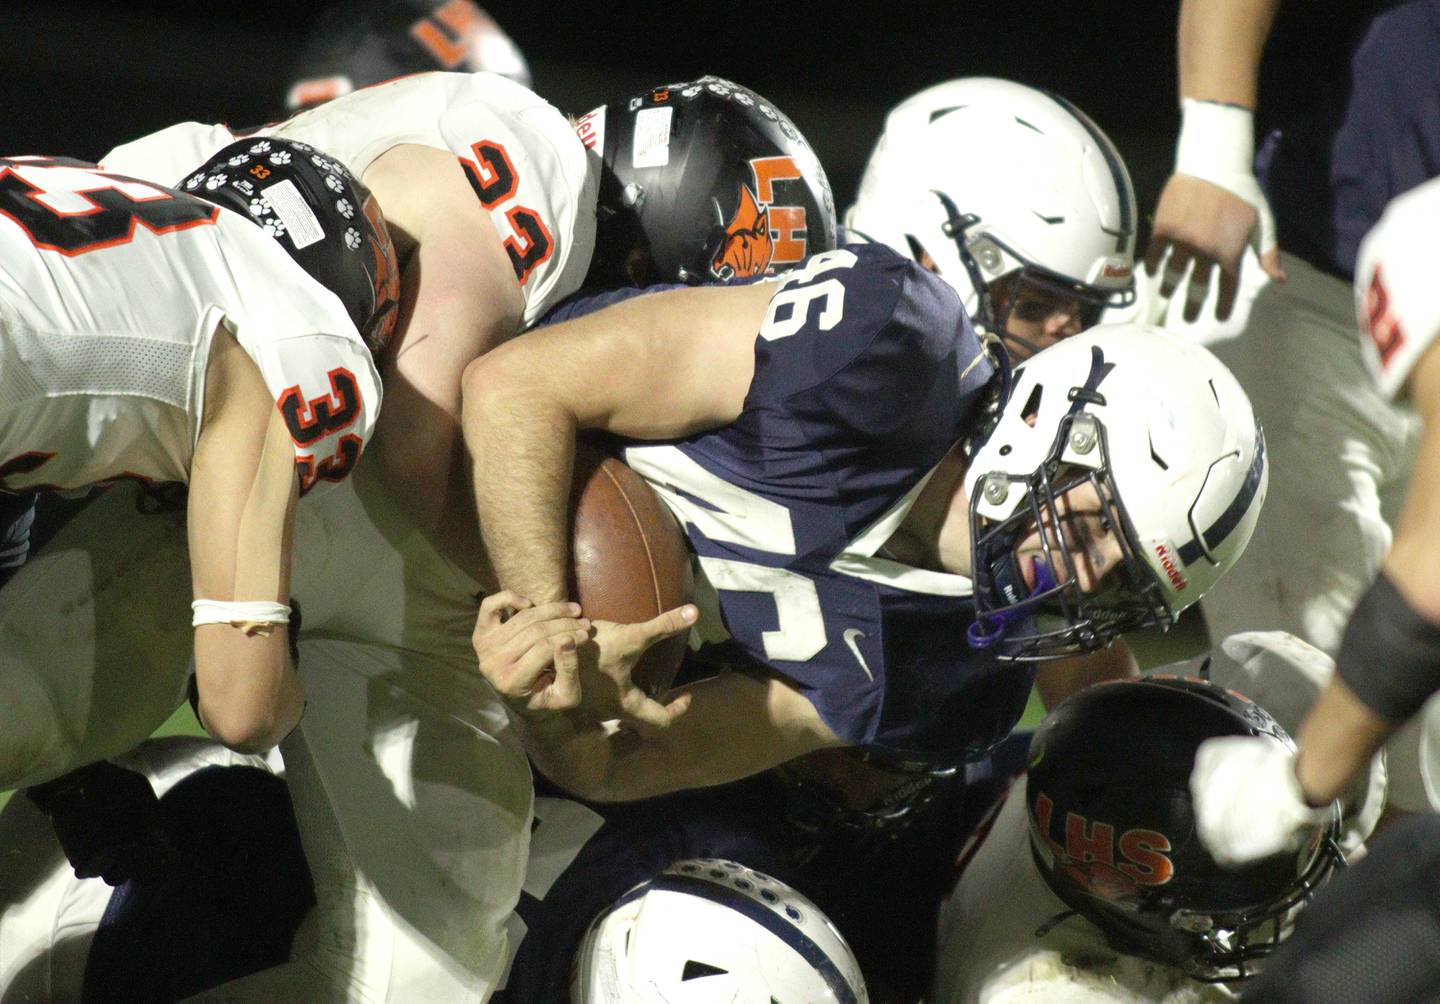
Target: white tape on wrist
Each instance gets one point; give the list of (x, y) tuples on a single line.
[(239, 612), (1216, 140), (1217, 144)]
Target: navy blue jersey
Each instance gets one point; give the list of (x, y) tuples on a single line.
[(1368, 135), (867, 372)]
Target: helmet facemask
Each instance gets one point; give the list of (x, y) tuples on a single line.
[(1000, 274), (1056, 617)]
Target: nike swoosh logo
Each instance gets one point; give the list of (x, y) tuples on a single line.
[(850, 635)]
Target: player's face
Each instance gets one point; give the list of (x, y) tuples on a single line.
[(1036, 316), (1087, 533)]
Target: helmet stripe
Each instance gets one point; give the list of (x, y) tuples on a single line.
[(1118, 174), (1235, 511), (767, 918)]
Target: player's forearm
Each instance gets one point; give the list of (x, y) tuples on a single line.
[(522, 448), (1336, 740), (1220, 42)]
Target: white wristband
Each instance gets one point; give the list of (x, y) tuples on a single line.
[(1216, 141), (239, 612), (1217, 144)]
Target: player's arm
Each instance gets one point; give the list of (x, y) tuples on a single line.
[(737, 725), (1359, 709), (656, 366), (1212, 206), (459, 299), (651, 367), (243, 491), (1058, 679)]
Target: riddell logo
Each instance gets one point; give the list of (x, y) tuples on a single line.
[(1171, 570), (1117, 271)]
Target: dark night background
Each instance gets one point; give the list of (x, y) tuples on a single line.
[(79, 77)]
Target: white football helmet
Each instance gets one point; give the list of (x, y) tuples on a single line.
[(707, 930), (989, 178), (1167, 437)]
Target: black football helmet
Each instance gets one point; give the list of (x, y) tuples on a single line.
[(703, 181), (1112, 827), (320, 213), (357, 43)]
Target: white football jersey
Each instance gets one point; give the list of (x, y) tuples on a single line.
[(1396, 296), (106, 323), (521, 155)]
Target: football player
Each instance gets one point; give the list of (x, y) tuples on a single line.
[(402, 738), (490, 198), (1367, 134), (219, 337), (1037, 234), (1251, 802), (357, 43), (1087, 884), (824, 441)]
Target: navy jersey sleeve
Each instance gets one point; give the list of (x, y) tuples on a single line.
[(856, 342), (589, 301)]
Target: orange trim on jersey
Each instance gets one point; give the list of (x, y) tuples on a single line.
[(495, 168), (105, 184), (538, 246)]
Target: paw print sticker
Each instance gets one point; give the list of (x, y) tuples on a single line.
[(216, 181), (345, 209), (261, 147), (280, 157), (352, 239), (194, 182), (274, 227), (259, 207), (321, 162), (238, 159), (334, 183)]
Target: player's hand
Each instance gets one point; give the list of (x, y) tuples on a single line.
[(521, 653), (1248, 802), (1203, 226), (608, 660)]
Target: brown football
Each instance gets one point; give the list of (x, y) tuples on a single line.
[(630, 560)]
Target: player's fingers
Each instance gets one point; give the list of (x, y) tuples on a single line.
[(1270, 262), (539, 633), (1197, 289), (523, 619), (647, 715), (566, 663), (1155, 252), (496, 607), (1175, 267), (1229, 290), (671, 622)]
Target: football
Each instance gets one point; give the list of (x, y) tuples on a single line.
[(630, 561)]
